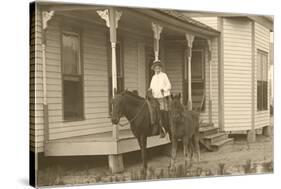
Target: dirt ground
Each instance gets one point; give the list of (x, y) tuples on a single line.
[(88, 169)]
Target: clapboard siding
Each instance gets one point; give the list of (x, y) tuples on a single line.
[(36, 88), (174, 65), (262, 41), (237, 73), (94, 55), (131, 63), (94, 58), (210, 21)]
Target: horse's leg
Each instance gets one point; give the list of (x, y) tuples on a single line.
[(197, 146), (142, 142), (186, 150), (173, 152)]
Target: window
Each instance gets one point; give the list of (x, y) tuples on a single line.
[(119, 69), (262, 81), (72, 77)]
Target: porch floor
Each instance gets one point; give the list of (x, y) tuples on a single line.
[(99, 144), (107, 136)]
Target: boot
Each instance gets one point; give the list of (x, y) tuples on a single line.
[(161, 129), (162, 132)]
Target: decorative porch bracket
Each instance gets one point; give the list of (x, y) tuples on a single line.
[(157, 29), (46, 16), (210, 78), (111, 17), (190, 39)]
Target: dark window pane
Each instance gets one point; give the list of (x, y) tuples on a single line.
[(259, 95), (262, 74), (197, 65), (73, 103), (264, 95)]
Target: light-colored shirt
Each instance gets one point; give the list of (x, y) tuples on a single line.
[(160, 81)]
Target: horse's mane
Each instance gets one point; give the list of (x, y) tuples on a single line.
[(133, 94)]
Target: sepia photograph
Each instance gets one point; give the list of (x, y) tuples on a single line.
[(125, 94)]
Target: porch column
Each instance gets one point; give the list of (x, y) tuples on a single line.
[(157, 29), (189, 39), (210, 78), (45, 17), (112, 16)]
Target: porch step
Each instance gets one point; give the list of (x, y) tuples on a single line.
[(208, 130), (206, 125), (217, 145), (217, 137), (211, 138)]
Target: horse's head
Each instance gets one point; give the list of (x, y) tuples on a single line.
[(176, 107), (117, 108)]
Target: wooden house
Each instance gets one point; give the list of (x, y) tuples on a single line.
[(246, 59), (81, 53)]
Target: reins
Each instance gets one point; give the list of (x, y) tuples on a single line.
[(137, 114)]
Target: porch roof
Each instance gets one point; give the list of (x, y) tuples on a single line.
[(180, 21), (182, 17)]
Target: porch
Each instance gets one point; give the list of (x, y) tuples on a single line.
[(160, 35)]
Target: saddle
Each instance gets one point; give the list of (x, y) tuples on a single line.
[(152, 108)]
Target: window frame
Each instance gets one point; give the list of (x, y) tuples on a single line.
[(263, 104), (77, 33)]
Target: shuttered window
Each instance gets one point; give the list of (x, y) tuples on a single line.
[(262, 80), (72, 77)]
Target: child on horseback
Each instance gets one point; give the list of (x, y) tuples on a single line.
[(160, 86)]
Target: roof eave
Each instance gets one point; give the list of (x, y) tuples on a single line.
[(185, 27)]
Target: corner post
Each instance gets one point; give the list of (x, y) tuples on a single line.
[(111, 17), (46, 16), (210, 79), (189, 39), (157, 29)]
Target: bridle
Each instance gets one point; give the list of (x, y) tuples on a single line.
[(135, 117)]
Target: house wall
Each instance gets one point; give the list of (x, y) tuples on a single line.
[(94, 58), (237, 73), (174, 58), (262, 42)]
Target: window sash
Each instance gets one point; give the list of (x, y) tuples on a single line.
[(71, 54), (262, 80)]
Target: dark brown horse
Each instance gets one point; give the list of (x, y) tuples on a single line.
[(184, 126), (135, 109)]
